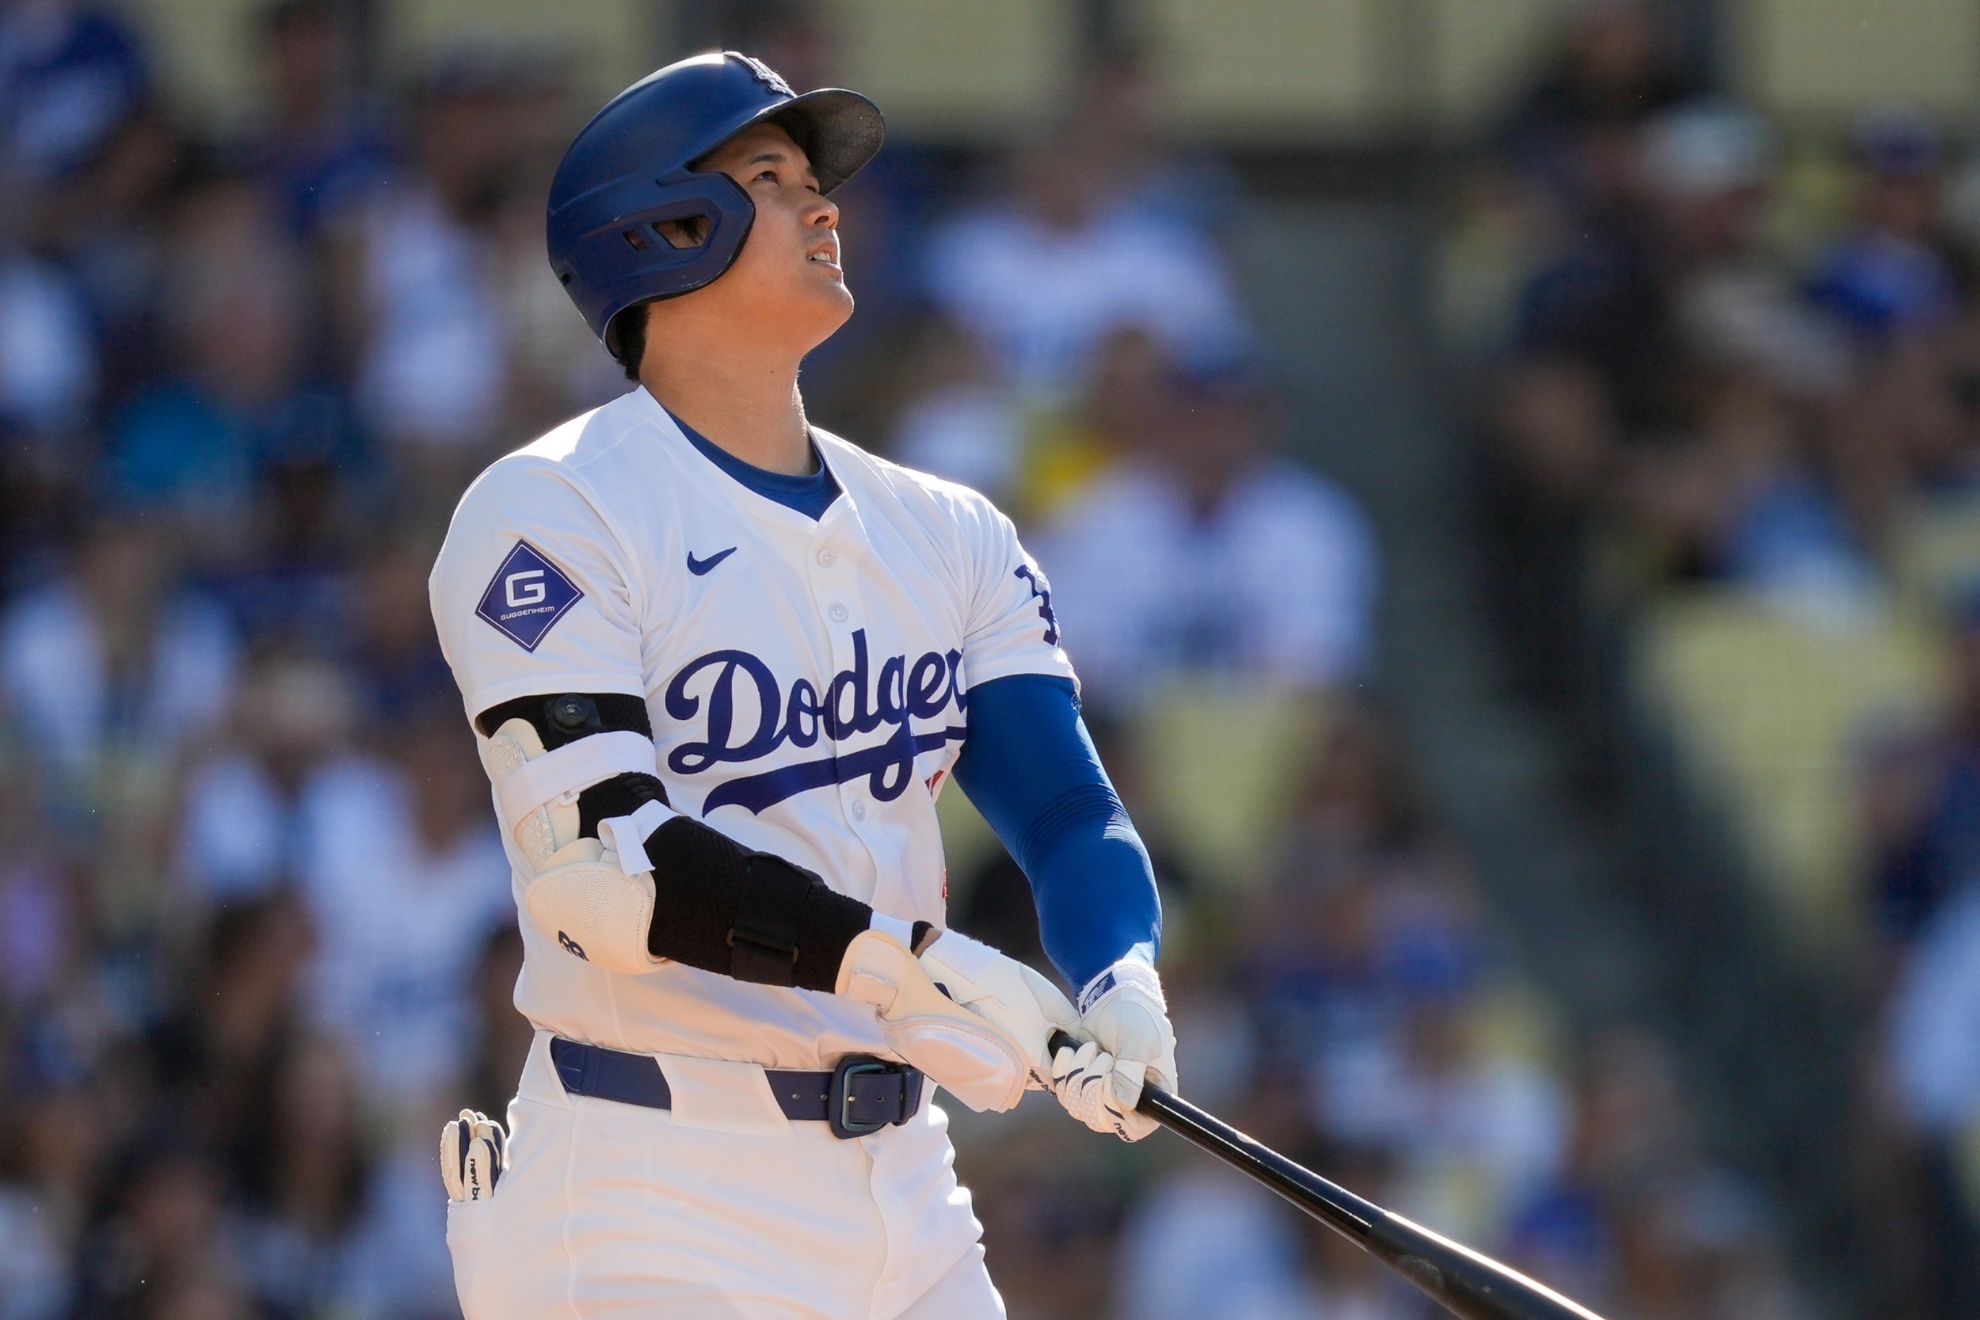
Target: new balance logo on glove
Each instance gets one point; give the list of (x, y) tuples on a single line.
[(474, 1152)]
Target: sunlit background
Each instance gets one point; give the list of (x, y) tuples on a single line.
[(1510, 473)]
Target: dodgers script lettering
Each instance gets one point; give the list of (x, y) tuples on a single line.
[(749, 713)]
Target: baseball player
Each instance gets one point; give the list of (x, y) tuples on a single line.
[(720, 665)]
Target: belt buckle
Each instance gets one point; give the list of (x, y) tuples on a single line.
[(839, 1103)]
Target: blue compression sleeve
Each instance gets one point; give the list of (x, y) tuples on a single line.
[(1029, 766)]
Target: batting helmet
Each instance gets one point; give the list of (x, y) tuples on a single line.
[(631, 169)]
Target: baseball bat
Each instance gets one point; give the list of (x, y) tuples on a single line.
[(1464, 1282)]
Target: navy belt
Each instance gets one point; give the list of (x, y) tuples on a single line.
[(860, 1096)]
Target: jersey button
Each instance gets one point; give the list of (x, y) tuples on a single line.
[(827, 558), (859, 811), (838, 613)]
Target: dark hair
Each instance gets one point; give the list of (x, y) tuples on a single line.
[(625, 339)]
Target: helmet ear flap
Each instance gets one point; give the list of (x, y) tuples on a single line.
[(625, 338), (685, 236)]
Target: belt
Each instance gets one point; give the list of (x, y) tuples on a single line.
[(860, 1096)]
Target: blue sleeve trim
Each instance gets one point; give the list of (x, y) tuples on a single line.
[(1028, 764)]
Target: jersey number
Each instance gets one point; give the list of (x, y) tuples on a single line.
[(1041, 590)]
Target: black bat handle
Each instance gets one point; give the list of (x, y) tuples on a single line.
[(1339, 1207), (1466, 1283)]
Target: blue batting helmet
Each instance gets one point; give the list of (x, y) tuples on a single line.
[(631, 169)]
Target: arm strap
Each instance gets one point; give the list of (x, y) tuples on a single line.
[(564, 774)]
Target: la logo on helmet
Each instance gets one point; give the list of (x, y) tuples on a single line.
[(765, 74)]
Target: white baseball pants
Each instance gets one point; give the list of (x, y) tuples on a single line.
[(719, 1209)]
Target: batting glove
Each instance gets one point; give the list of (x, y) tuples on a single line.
[(474, 1151), (1022, 1004), (964, 1052), (1128, 1043)]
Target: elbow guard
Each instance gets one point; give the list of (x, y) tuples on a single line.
[(579, 891)]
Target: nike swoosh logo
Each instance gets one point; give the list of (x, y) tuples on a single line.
[(700, 567)]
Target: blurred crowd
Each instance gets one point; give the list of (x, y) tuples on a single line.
[(1718, 360), (258, 939), (257, 936)]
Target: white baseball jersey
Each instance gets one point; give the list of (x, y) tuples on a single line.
[(806, 681)]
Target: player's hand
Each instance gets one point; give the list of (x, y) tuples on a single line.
[(1127, 1043), (976, 1055), (1016, 999), (474, 1152)]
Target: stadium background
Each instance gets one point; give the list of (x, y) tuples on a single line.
[(1511, 470)]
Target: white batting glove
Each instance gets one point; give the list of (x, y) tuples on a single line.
[(1128, 1043), (1022, 1004), (474, 1152), (983, 1058)]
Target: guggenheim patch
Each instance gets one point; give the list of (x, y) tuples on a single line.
[(527, 597)]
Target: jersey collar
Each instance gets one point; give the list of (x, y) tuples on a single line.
[(673, 437)]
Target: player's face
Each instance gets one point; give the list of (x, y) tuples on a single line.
[(787, 273)]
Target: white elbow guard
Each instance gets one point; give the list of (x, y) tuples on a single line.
[(593, 896)]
